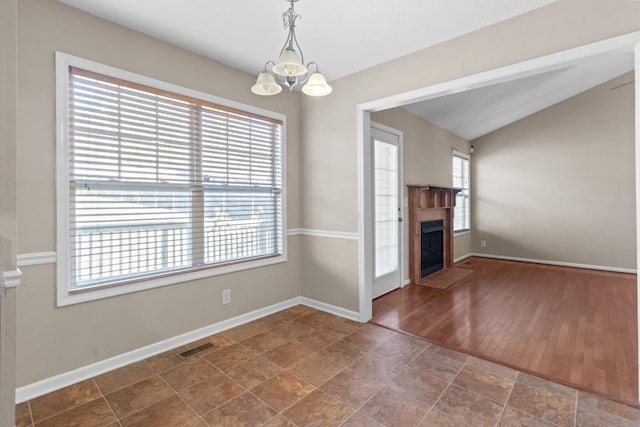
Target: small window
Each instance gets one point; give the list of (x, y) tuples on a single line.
[(462, 211), (157, 184)]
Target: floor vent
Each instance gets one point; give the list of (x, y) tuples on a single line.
[(196, 350)]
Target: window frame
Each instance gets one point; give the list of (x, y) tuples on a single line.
[(65, 296), (467, 157)]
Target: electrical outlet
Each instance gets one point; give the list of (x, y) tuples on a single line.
[(483, 243), (226, 296)]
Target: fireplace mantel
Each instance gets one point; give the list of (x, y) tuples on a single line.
[(427, 203)]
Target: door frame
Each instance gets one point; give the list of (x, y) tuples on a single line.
[(630, 42), (401, 250)]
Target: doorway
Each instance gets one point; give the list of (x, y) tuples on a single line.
[(626, 43), (386, 146)]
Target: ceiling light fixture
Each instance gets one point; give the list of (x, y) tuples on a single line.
[(290, 71)]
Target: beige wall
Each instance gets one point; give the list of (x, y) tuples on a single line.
[(55, 340), (8, 205), (329, 134), (559, 185), (426, 157)]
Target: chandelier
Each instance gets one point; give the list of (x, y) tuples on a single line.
[(290, 71)]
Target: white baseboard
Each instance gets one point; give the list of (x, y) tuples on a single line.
[(338, 311), (57, 382), (462, 258), (548, 262)]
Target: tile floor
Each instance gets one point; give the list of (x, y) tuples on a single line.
[(303, 367)]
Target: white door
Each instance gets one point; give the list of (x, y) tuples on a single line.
[(386, 146)]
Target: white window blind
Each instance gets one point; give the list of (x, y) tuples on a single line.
[(161, 183), (462, 211)]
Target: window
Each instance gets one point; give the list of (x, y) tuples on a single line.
[(461, 213), (159, 184)]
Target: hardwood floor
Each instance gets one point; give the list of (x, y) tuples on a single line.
[(570, 325)]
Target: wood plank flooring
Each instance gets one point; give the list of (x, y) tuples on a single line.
[(570, 325)]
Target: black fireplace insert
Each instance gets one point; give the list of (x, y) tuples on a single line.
[(431, 245)]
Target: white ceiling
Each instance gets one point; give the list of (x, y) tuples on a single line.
[(342, 36), (348, 36)]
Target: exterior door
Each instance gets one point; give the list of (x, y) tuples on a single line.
[(387, 193)]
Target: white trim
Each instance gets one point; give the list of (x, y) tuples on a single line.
[(461, 233), (506, 73), (65, 379), (462, 258), (637, 179), (322, 233), (549, 262), (37, 258), (12, 278), (406, 282), (62, 63), (333, 309)]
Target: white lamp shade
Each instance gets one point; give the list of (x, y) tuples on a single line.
[(317, 86), (266, 85), (289, 64)]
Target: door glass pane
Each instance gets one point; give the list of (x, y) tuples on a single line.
[(386, 207)]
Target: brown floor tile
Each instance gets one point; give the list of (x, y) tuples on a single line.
[(95, 413), (402, 348), (211, 393), (491, 368), (286, 354), (316, 319), (360, 420), (230, 356), (342, 353), (340, 327), (64, 399), (491, 386), (167, 360), (544, 402), (468, 407), (377, 368), (318, 408), (123, 377), (279, 421), (263, 341), (440, 362), (391, 408), (189, 373), (23, 415), (588, 416), (169, 412), (314, 340), (283, 390), (219, 341), (298, 311), (138, 396), (245, 331), (290, 330), (195, 423), (369, 337), (436, 418), (253, 372), (351, 387), (418, 385), (315, 369), (244, 410), (559, 389), (593, 401), (512, 417)]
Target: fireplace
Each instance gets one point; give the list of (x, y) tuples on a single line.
[(431, 247), (428, 205)]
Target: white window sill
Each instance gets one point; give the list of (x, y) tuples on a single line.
[(461, 233)]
